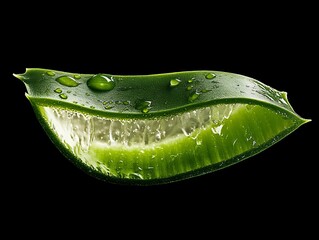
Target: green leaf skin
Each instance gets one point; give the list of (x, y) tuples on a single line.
[(153, 129)]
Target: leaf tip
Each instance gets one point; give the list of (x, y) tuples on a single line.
[(21, 76), (285, 96), (306, 120)]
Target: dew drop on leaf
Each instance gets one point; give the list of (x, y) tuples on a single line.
[(58, 90), (100, 82), (193, 96), (67, 81), (210, 76), (77, 76), (63, 96), (174, 82), (50, 73), (144, 106)]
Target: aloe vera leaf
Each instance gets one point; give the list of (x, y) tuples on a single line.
[(159, 128)]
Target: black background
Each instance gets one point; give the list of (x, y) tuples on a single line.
[(277, 51)]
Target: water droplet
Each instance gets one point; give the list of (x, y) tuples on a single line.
[(126, 102), (87, 94), (174, 82), (101, 82), (63, 96), (50, 73), (190, 80), (144, 106), (58, 90), (67, 81), (210, 76), (108, 107), (189, 88), (145, 110), (92, 107), (205, 90), (105, 102), (193, 96), (77, 76)]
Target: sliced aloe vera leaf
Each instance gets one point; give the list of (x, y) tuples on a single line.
[(152, 129)]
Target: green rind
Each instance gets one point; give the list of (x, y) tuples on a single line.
[(155, 88)]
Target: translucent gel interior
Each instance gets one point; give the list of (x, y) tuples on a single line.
[(79, 131)]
